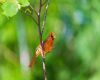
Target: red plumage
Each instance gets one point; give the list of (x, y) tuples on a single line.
[(47, 47)]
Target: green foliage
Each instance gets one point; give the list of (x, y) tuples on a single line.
[(11, 7)]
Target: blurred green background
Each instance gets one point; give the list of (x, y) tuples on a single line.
[(76, 52)]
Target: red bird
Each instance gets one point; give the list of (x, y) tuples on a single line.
[(47, 47)]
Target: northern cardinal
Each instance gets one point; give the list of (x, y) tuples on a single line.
[(47, 47)]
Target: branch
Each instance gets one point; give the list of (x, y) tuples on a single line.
[(41, 42), (34, 19), (45, 14), (33, 9), (29, 10), (41, 30)]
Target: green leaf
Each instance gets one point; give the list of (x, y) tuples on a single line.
[(10, 8), (23, 3)]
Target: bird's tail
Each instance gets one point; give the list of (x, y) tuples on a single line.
[(33, 61)]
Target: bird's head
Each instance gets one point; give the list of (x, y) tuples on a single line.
[(52, 35)]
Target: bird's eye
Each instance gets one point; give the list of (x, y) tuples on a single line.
[(52, 36)]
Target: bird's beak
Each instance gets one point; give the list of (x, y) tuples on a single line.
[(54, 37)]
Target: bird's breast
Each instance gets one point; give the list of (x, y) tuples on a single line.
[(48, 45)]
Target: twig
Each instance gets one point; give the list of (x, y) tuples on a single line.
[(33, 9), (34, 19), (30, 13), (45, 14)]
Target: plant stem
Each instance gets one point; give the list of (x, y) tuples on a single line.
[(45, 14), (41, 41)]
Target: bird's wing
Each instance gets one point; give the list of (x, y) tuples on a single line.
[(38, 50)]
